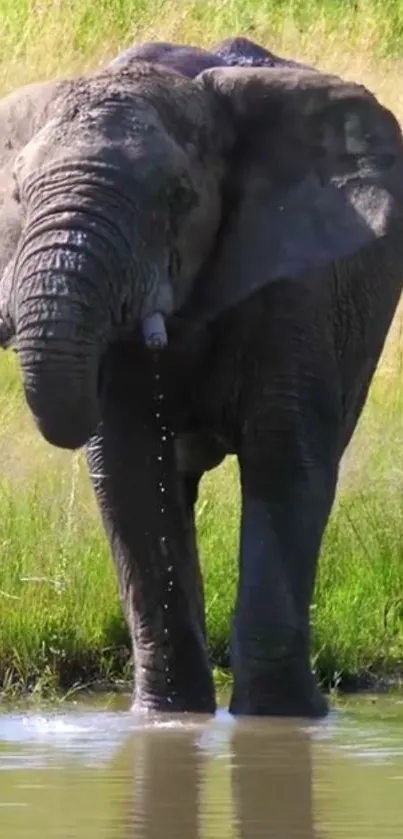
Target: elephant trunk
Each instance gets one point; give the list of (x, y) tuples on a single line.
[(82, 275), (60, 387), (62, 323)]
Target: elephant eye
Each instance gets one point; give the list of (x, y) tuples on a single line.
[(174, 263), (15, 193)]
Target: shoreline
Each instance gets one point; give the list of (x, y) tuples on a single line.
[(345, 686)]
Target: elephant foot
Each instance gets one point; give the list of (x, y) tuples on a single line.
[(283, 692), (148, 706), (177, 691)]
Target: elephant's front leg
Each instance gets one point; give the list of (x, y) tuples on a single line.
[(288, 478), (141, 501)]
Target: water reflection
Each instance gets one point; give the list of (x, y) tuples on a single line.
[(168, 773), (272, 782), (269, 769)]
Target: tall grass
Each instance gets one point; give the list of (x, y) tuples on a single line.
[(60, 617), (40, 38)]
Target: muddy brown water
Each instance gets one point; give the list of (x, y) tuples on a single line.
[(91, 770)]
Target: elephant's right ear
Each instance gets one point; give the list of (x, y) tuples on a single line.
[(315, 174)]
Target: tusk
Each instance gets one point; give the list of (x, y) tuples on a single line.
[(155, 334)]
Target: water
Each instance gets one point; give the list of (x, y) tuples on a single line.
[(93, 771), (165, 436)]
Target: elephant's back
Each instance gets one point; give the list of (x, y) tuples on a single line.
[(187, 60), (191, 60)]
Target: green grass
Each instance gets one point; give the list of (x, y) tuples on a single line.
[(60, 617)]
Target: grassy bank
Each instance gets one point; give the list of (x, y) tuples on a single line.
[(59, 613)]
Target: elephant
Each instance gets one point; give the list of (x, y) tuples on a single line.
[(256, 211)]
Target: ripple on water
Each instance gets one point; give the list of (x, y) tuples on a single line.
[(92, 738)]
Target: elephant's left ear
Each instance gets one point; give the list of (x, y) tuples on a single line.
[(315, 174)]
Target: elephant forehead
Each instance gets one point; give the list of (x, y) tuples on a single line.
[(131, 126), (143, 157), (150, 92)]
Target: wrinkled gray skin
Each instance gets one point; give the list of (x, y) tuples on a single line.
[(271, 347)]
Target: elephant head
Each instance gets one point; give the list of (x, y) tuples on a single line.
[(119, 196), (137, 178)]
